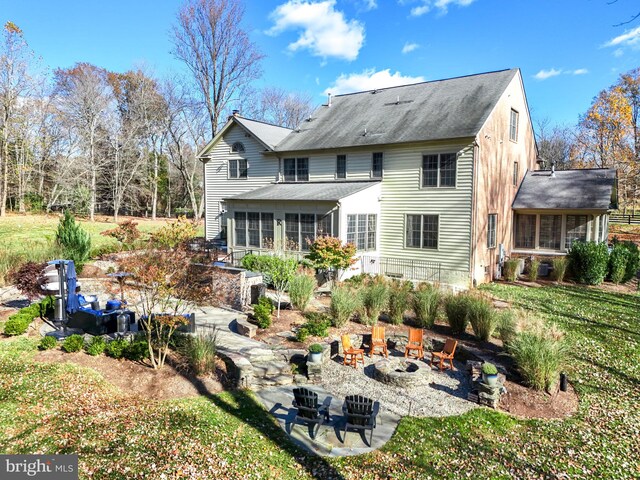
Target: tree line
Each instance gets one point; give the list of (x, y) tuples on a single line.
[(95, 141), (606, 136)]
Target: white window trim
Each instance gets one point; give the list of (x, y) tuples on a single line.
[(296, 159), (229, 177), (514, 140), (404, 239), (366, 231), (438, 153), (495, 230), (371, 170)]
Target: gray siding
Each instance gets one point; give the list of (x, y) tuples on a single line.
[(262, 171), (402, 194)]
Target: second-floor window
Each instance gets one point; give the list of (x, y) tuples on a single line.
[(513, 126), (516, 174), (376, 165), (238, 168), (296, 169), (341, 166), (439, 170)]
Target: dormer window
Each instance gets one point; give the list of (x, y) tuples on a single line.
[(237, 147)]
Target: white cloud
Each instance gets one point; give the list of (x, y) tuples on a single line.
[(369, 5), (325, 31), (441, 5), (579, 71), (630, 38), (544, 74), (409, 47), (618, 52), (369, 80)]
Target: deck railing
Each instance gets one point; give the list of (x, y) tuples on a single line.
[(420, 270)]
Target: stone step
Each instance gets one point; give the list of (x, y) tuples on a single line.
[(265, 369), (273, 381)]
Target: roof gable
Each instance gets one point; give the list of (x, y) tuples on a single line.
[(436, 110)]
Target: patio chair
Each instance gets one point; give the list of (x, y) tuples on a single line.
[(359, 414), (446, 354), (309, 411), (378, 341), (351, 355), (415, 344)]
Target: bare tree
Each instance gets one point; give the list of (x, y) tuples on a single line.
[(15, 58), (555, 143), (84, 97), (210, 40), (277, 106)]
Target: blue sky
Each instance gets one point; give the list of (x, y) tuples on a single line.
[(568, 50)]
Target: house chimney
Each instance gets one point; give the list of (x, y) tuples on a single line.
[(329, 101), (235, 113)]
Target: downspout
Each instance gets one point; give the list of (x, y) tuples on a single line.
[(204, 189), (474, 189)]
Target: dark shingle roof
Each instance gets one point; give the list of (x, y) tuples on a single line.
[(313, 191), (441, 109), (268, 134), (568, 189)]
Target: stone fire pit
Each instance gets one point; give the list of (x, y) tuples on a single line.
[(401, 373)]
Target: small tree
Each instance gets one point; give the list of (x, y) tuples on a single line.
[(74, 241), (174, 233), (329, 254), (281, 271), (126, 233), (167, 289)]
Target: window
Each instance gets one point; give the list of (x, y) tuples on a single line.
[(307, 230), (237, 147), (341, 166), (292, 231), (439, 170), (491, 230), (376, 165), (254, 229), (550, 231), (325, 226), (576, 229), (240, 228), (361, 230), (421, 231), (296, 169), (238, 168), (525, 231), (513, 126), (516, 174)]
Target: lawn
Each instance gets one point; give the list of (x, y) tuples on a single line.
[(64, 408)]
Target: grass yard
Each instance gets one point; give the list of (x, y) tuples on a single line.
[(64, 408)]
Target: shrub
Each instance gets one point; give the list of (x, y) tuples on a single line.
[(301, 288), (330, 254), (74, 241), (302, 334), (426, 299), (116, 348), (456, 308), (262, 312), (72, 344), (506, 325), (174, 233), (96, 346), (534, 266), (315, 348), (633, 262), (589, 261), (559, 268), (489, 368), (399, 300), (344, 303), (260, 263), (539, 357), (374, 300), (28, 279), (359, 280), (618, 259), (481, 317), (511, 269), (317, 326), (200, 351), (47, 343), (18, 323), (126, 233)]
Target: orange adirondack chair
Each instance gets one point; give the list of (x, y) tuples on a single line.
[(351, 355), (415, 344), (378, 340), (446, 354)]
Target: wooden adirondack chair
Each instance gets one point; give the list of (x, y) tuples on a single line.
[(446, 354), (309, 411), (351, 355), (378, 341), (415, 344), (359, 414)]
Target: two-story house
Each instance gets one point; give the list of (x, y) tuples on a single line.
[(422, 178)]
